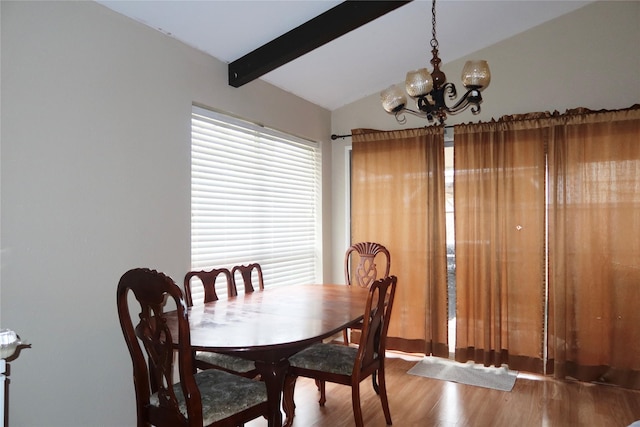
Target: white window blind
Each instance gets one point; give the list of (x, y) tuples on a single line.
[(255, 196)]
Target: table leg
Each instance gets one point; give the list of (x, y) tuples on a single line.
[(273, 374)]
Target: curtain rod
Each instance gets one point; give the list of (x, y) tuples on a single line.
[(334, 136)]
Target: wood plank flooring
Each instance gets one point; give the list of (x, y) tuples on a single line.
[(416, 401)]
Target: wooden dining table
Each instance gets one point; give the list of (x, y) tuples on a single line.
[(271, 325)]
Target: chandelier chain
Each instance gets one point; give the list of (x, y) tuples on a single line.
[(434, 41)]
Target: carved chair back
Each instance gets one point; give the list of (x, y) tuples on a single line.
[(360, 265)]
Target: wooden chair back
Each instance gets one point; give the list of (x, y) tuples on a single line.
[(208, 280), (250, 274), (372, 346), (152, 348), (360, 263)]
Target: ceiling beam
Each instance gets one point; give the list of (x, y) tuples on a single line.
[(322, 29)]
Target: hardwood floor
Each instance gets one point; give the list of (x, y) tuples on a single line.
[(417, 401)]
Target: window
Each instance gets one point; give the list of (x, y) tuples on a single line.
[(255, 197)]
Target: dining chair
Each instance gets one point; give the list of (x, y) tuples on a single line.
[(207, 398), (348, 365), (249, 274), (360, 268), (207, 359)]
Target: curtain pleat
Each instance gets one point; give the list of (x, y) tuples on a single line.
[(397, 199)]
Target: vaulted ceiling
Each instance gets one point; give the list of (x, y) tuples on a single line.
[(359, 63)]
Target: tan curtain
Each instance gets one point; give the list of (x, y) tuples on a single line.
[(594, 229), (499, 192), (397, 199)]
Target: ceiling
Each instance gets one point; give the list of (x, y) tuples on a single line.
[(358, 64)]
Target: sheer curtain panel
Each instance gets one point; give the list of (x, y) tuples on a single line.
[(397, 199), (499, 191), (594, 236)]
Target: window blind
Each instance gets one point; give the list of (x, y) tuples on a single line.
[(255, 197)]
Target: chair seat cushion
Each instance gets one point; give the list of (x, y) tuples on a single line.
[(334, 358), (223, 394), (231, 363)]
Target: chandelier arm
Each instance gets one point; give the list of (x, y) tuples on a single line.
[(451, 88), (400, 118), (475, 108), (471, 97), (422, 114)]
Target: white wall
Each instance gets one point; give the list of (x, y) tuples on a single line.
[(95, 174), (588, 58)]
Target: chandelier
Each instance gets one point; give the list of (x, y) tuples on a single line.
[(430, 89)]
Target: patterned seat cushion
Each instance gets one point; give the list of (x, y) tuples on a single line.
[(223, 394), (337, 359), (232, 363)]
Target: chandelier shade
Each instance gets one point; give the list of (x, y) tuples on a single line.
[(476, 75), (429, 88), (393, 100), (419, 82)]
